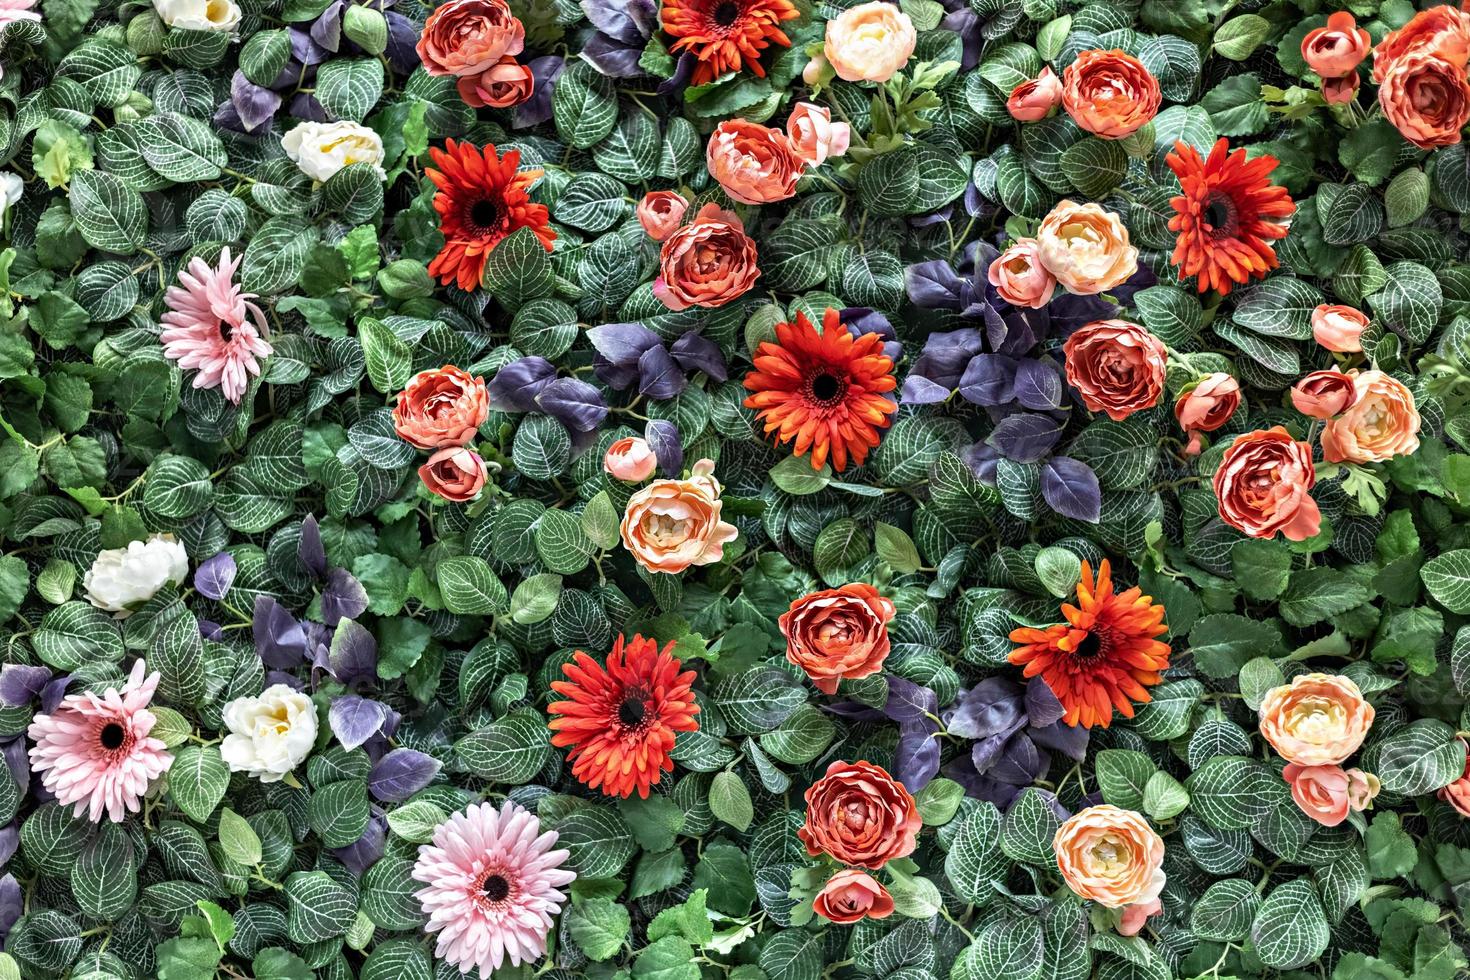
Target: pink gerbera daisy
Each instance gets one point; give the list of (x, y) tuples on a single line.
[(493, 882), (17, 10), (209, 326), (96, 751)]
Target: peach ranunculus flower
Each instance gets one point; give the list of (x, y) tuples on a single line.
[(1316, 720), (1135, 916), (708, 262), (1086, 247), (441, 408), (501, 86), (1328, 793), (672, 524), (755, 164), (1206, 406), (1117, 367), (1339, 328), (660, 213), (455, 473), (860, 815), (1037, 98), (1338, 49), (850, 896), (1427, 99), (1264, 485), (1020, 277), (467, 38), (630, 459), (1381, 423), (838, 633), (1457, 793), (813, 134), (1109, 93), (1340, 91), (870, 42), (1439, 32), (1110, 856), (1323, 394)]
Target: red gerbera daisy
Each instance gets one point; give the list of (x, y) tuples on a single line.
[(726, 35), (482, 199), (620, 721), (1104, 656), (1228, 215), (824, 390)]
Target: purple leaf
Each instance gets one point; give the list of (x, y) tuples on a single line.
[(343, 597), (9, 841), (989, 380), (515, 386), (280, 640), (53, 692), (20, 683), (1070, 740), (365, 852), (662, 437), (1038, 385), (402, 773), (918, 390), (916, 760), (544, 73), (909, 702), (995, 706), (19, 764), (1021, 763), (622, 343), (310, 550), (326, 30), (935, 285), (254, 105), (658, 375), (695, 352), (12, 905), (1025, 437), (576, 404), (1042, 706), (305, 50), (305, 106), (1071, 489), (630, 21), (213, 577), (354, 720), (403, 35), (945, 356), (675, 84), (353, 656), (612, 57)]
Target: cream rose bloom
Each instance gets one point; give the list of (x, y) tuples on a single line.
[(11, 189), (321, 149), (1110, 856), (1381, 423), (269, 735), (121, 579), (672, 524), (199, 15), (1316, 720), (870, 42), (1085, 246)]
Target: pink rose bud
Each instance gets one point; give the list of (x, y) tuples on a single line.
[(1020, 278), (630, 459), (456, 474), (1336, 50), (1036, 99), (1206, 407), (1339, 328), (814, 135), (1323, 394), (1340, 91), (1134, 916), (1362, 788), (1320, 791), (660, 213)]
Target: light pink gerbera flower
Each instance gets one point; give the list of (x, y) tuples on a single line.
[(493, 882), (15, 10), (209, 326), (96, 751)]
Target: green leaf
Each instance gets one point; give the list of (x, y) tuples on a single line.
[(1447, 577), (197, 780), (896, 548), (389, 359), (238, 839), (1239, 36), (110, 215), (470, 588), (599, 927), (1290, 929), (1122, 775), (535, 598), (1391, 851), (519, 268), (730, 800)]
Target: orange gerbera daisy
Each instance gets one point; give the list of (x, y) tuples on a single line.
[(1227, 217), (824, 390), (620, 720), (726, 35), (1103, 656), (482, 199)]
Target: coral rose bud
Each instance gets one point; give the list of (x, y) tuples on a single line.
[(1135, 916), (441, 408), (860, 815), (630, 459), (1086, 247), (1457, 793), (1439, 32), (1109, 93), (1323, 394), (838, 633), (870, 42), (1340, 91), (1037, 98), (707, 263), (814, 135), (1110, 856), (1363, 788), (1316, 720), (660, 213), (850, 896), (672, 524), (1264, 485), (1427, 99), (1381, 423), (1019, 276), (1206, 407), (1321, 792), (1116, 367), (505, 84), (455, 474), (469, 37), (1337, 49), (1339, 328), (755, 164)]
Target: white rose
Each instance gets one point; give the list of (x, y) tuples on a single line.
[(122, 578), (199, 15), (269, 735), (11, 188), (322, 149)]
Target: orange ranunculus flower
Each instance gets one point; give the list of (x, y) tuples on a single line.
[(814, 135), (1264, 485), (1117, 367), (1036, 98), (1316, 720), (860, 815), (850, 896), (1457, 793), (1337, 49), (454, 473), (441, 408), (1439, 32), (660, 213), (672, 524), (506, 83), (1427, 99), (1381, 423), (1086, 247), (1206, 407), (468, 37), (708, 262), (1020, 277), (755, 164), (630, 459), (1339, 328), (1109, 93), (870, 42), (1323, 394), (838, 633), (1340, 91), (1110, 856)]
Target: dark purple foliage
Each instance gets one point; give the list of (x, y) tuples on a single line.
[(662, 437), (9, 841), (20, 683), (916, 759), (213, 577), (989, 380), (622, 343), (343, 597), (515, 386), (1025, 437), (1070, 488), (354, 720), (402, 773), (576, 404), (860, 321), (352, 657), (696, 352), (1015, 729), (19, 764), (365, 852), (909, 703), (658, 376), (12, 905), (544, 73), (310, 549), (1038, 385), (280, 640)]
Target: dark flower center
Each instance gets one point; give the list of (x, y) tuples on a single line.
[(1091, 646), (485, 213), (225, 331), (112, 736), (726, 13), (496, 888), (632, 711), (1220, 214), (827, 389)]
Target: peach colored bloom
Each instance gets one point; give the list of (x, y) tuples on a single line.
[(504, 84), (1363, 788), (455, 473), (1264, 485), (1439, 32), (1320, 791), (1086, 247), (1339, 328), (672, 524), (860, 815), (1337, 49), (850, 896), (660, 213), (1316, 720), (1340, 91), (1206, 407), (755, 164), (708, 262), (1109, 93), (1117, 367), (1135, 916), (1110, 856), (814, 135), (838, 633), (468, 37), (1457, 793), (1427, 99), (870, 42), (1020, 277), (630, 459), (1037, 98), (1381, 423), (441, 408), (1323, 394)]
